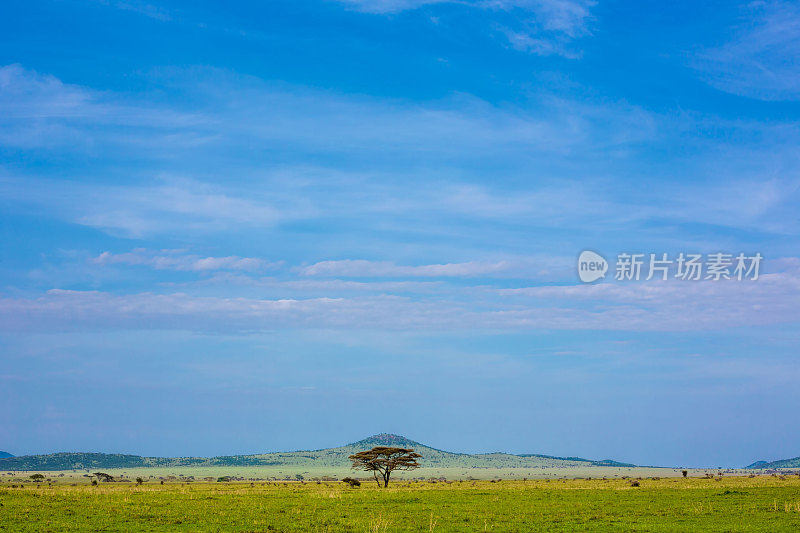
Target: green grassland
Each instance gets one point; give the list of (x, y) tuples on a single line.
[(760, 503)]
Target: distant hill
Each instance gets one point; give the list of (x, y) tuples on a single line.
[(782, 463), (328, 457), (3, 455), (611, 462), (582, 461)]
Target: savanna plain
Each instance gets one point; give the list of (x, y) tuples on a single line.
[(717, 503)]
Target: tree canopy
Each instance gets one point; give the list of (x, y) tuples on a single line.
[(383, 460)]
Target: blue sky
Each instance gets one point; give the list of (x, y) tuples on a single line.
[(230, 229)]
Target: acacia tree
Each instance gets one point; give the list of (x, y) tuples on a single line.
[(383, 460), (102, 476)]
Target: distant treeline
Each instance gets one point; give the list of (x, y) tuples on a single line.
[(81, 461)]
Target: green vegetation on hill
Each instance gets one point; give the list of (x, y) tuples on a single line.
[(783, 463), (80, 461), (611, 462), (329, 457), (5, 454)]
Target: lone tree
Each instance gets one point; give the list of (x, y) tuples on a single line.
[(102, 476), (383, 459)]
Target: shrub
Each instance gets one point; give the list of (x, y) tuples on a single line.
[(634, 483), (352, 482), (685, 473)]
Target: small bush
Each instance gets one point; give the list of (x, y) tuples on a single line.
[(352, 482), (685, 473), (634, 483)]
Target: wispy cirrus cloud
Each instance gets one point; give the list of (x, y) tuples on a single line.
[(421, 191), (38, 111), (541, 27), (146, 9), (760, 59), (154, 207)]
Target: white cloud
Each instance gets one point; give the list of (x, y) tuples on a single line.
[(568, 16), (683, 305), (526, 42), (362, 268), (648, 306), (179, 260), (326, 286)]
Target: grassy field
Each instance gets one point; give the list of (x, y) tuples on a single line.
[(762, 503), (313, 473)]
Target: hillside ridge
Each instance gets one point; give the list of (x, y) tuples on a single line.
[(793, 462), (327, 457)]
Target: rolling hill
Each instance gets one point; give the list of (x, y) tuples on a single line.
[(329, 457), (782, 463), (3, 455)]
